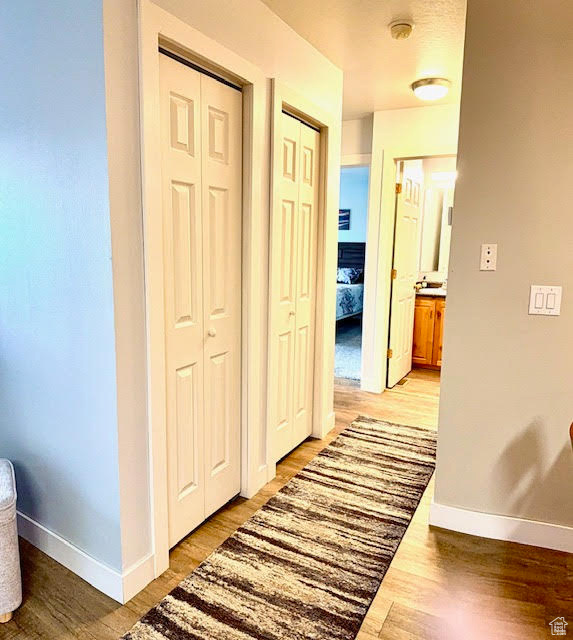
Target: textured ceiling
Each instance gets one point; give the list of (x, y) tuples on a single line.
[(378, 70)]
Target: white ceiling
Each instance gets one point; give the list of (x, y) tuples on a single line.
[(378, 70)]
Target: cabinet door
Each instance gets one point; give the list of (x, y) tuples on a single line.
[(438, 332), (424, 316)]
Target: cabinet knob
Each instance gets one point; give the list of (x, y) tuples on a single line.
[(212, 332), (291, 313)]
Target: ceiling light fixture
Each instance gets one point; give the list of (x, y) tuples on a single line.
[(431, 88), (401, 29)]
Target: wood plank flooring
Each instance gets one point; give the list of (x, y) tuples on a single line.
[(440, 584)]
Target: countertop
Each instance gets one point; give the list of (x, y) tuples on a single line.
[(433, 292)]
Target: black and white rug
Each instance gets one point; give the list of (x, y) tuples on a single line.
[(309, 562)]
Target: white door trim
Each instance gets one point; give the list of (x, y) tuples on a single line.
[(285, 98), (155, 26), (368, 367)]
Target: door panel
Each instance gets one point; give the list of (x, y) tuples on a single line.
[(221, 108), (287, 249), (284, 380), (180, 95), (408, 207), (201, 133), (185, 245), (187, 425), (218, 405)]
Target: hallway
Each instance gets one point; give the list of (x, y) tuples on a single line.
[(438, 580)]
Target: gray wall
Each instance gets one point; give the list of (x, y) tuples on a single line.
[(507, 393), (57, 347)]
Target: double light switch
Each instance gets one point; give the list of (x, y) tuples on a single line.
[(544, 300)]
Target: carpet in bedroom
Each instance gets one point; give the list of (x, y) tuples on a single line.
[(348, 351)]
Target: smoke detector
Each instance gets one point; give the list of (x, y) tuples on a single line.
[(401, 29)]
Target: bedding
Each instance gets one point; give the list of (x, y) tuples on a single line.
[(350, 275), (349, 300)]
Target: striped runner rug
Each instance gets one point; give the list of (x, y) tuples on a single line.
[(307, 565)]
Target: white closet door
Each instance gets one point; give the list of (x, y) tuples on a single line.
[(306, 258), (201, 124), (221, 114), (183, 280), (293, 286)]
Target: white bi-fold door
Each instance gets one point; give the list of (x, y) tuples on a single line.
[(293, 286), (201, 159)]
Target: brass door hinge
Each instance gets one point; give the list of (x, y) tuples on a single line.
[(398, 187), (394, 274), (389, 353)]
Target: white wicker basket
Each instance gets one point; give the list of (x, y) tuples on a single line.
[(10, 576)]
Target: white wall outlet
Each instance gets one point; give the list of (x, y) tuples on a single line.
[(544, 301), (488, 257)]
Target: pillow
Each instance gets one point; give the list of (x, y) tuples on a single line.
[(349, 275)]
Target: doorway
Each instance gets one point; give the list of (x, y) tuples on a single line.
[(160, 29), (421, 249), (352, 229)]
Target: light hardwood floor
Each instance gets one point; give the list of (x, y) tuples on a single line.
[(440, 585)]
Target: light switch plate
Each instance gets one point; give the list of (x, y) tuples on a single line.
[(488, 257), (544, 300)]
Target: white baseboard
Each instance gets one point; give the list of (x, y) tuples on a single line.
[(371, 385), (119, 586), (138, 576), (330, 422), (489, 525)]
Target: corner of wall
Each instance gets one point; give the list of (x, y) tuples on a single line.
[(121, 52)]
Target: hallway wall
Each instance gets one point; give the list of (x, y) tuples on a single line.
[(506, 405), (58, 422)]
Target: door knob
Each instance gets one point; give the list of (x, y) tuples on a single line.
[(212, 332)]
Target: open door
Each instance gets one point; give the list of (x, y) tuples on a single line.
[(409, 198)]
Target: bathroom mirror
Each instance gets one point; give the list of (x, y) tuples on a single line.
[(435, 226)]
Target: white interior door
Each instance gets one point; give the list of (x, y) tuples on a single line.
[(201, 158), (293, 286), (405, 274)]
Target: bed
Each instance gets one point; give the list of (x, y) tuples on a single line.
[(350, 277)]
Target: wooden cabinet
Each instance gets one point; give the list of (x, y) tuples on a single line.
[(428, 331), (438, 332), (424, 320)]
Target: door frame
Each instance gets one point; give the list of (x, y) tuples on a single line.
[(324, 326), (370, 259), (398, 161), (394, 137), (156, 27)]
